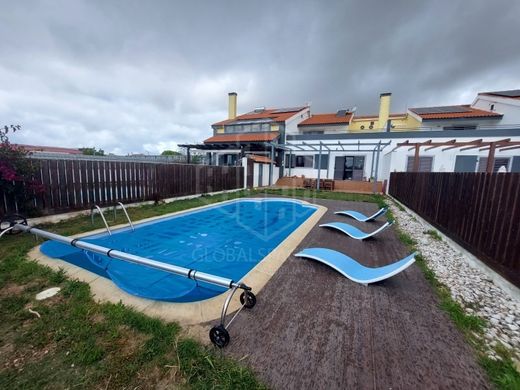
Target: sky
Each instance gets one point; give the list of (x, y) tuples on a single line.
[(143, 76)]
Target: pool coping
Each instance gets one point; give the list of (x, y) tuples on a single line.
[(185, 313)]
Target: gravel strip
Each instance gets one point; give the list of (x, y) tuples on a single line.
[(469, 286)]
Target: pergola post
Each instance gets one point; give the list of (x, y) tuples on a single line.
[(491, 158), (374, 186), (416, 158), (290, 161), (188, 155), (319, 169), (373, 161), (271, 166), (328, 164)]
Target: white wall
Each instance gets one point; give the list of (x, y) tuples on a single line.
[(313, 173), (291, 124), (264, 168), (509, 107), (396, 161)]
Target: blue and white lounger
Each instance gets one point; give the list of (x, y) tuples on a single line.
[(362, 217), (353, 231), (354, 271)]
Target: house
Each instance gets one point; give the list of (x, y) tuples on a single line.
[(456, 117), (253, 132), (49, 149), (385, 120), (506, 103), (347, 147)]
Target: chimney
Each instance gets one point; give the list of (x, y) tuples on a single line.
[(384, 109), (232, 105)]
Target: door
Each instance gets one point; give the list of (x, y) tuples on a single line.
[(349, 168), (339, 167)]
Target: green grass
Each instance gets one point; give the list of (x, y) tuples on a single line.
[(434, 234), (82, 344), (501, 372)]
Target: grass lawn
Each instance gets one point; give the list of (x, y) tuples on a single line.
[(80, 343)]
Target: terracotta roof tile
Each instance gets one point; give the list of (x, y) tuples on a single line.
[(260, 159), (376, 116), (326, 119), (49, 149), (268, 113), (242, 137), (469, 112)]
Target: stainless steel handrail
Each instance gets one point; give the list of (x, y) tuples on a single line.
[(102, 217), (126, 213)]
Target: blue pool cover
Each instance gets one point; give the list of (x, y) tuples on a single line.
[(226, 240)]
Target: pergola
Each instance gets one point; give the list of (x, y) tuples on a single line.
[(490, 146), (242, 146), (327, 148)]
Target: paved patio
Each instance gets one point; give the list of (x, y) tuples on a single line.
[(312, 328)]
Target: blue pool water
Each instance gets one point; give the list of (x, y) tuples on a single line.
[(226, 240)]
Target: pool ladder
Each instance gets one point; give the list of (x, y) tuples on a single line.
[(115, 215)]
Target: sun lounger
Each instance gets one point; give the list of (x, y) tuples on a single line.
[(362, 217), (353, 231), (354, 271)]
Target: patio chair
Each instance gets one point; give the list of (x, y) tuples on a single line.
[(362, 217), (353, 270), (307, 183), (328, 185), (353, 231)]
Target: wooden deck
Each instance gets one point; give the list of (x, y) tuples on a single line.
[(360, 187), (314, 329)]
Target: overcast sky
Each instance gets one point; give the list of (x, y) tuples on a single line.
[(142, 76)]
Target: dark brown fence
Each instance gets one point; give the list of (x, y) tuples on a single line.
[(79, 184), (480, 211)]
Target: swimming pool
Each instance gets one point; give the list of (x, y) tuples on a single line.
[(227, 240)]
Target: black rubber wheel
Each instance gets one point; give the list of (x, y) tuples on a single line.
[(18, 219), (219, 336), (248, 299), (11, 220)]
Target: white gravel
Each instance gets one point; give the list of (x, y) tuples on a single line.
[(469, 286)]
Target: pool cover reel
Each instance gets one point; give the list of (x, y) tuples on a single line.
[(218, 334)]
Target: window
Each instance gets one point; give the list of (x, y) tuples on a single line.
[(425, 164), (465, 163), (460, 127), (290, 160), (227, 159), (324, 161), (314, 132), (482, 164), (304, 161), (515, 167)]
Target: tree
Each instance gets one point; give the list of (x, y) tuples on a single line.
[(170, 153), (92, 151), (17, 172)]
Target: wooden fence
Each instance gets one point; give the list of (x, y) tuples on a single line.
[(79, 184), (480, 211)]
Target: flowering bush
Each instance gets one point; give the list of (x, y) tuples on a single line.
[(17, 172)]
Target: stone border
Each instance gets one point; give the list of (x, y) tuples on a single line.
[(189, 313)]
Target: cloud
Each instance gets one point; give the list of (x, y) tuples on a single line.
[(129, 76)]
